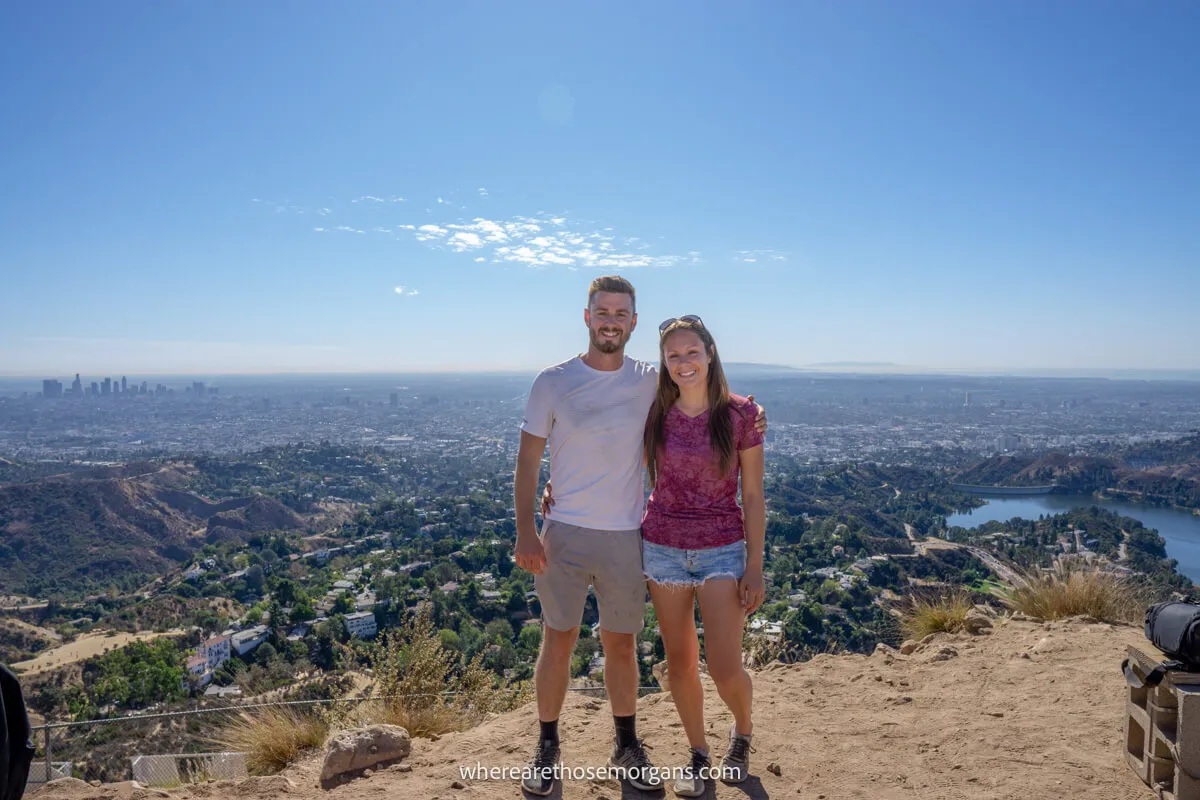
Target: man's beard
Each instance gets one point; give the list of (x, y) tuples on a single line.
[(606, 346)]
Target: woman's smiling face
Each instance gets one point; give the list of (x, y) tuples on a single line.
[(686, 359)]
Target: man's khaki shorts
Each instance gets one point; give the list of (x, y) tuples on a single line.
[(609, 561)]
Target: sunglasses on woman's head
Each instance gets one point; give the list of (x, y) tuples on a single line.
[(666, 323)]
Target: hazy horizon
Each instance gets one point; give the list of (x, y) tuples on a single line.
[(33, 382)]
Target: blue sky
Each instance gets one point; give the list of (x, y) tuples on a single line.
[(230, 187)]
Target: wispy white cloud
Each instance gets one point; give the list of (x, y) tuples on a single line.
[(463, 241), (405, 291), (541, 240), (370, 198), (546, 241), (413, 293), (756, 256), (399, 290), (279, 207)]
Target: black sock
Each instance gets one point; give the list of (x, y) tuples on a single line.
[(550, 731), (626, 730)]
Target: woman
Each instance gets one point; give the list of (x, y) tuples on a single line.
[(697, 542)]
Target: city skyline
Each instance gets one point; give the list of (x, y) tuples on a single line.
[(933, 187)]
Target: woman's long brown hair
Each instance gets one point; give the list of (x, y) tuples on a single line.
[(720, 426)]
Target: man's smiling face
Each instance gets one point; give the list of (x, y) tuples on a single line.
[(610, 320)]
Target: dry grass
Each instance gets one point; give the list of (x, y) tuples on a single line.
[(1071, 592), (945, 613), (420, 686), (272, 738)]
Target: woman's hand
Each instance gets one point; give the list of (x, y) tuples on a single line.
[(751, 590), (547, 500), (760, 421)]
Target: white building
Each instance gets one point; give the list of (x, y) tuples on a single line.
[(197, 667), (215, 651), (245, 641), (361, 624), (766, 629)]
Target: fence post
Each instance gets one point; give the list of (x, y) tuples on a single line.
[(49, 774)]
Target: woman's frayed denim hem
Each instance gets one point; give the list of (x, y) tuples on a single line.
[(691, 584)]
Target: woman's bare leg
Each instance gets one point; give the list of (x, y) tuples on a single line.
[(675, 608)]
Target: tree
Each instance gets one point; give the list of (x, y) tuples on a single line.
[(498, 631), (450, 639), (530, 639), (286, 592), (344, 604), (265, 654), (323, 650), (303, 612)]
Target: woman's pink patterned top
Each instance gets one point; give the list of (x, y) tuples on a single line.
[(693, 507)]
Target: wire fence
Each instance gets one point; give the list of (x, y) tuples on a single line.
[(96, 751)]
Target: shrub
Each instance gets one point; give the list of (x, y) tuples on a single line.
[(1070, 592), (421, 687), (272, 737), (945, 613)]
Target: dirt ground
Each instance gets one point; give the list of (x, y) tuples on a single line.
[(1031, 711)]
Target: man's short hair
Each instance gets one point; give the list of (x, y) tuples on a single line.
[(612, 283)]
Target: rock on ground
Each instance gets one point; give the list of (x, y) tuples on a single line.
[(351, 752)]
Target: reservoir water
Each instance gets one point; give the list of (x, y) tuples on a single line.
[(1180, 529)]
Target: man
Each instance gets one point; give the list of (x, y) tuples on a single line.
[(592, 411)]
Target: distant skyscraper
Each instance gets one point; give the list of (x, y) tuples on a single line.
[(198, 388), (106, 387), (1007, 442), (52, 388), (95, 388), (143, 390), (124, 388), (77, 386)]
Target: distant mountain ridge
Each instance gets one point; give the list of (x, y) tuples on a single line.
[(1162, 472)]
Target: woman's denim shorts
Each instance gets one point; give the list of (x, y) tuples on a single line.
[(676, 566)]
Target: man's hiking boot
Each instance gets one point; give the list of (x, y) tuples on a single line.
[(692, 781), (640, 773), (541, 778), (735, 764)]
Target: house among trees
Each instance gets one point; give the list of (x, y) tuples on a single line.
[(361, 624)]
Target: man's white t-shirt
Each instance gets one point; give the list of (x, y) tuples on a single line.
[(593, 420)]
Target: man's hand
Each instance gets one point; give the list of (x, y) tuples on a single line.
[(547, 500), (751, 590), (530, 554), (760, 422)]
